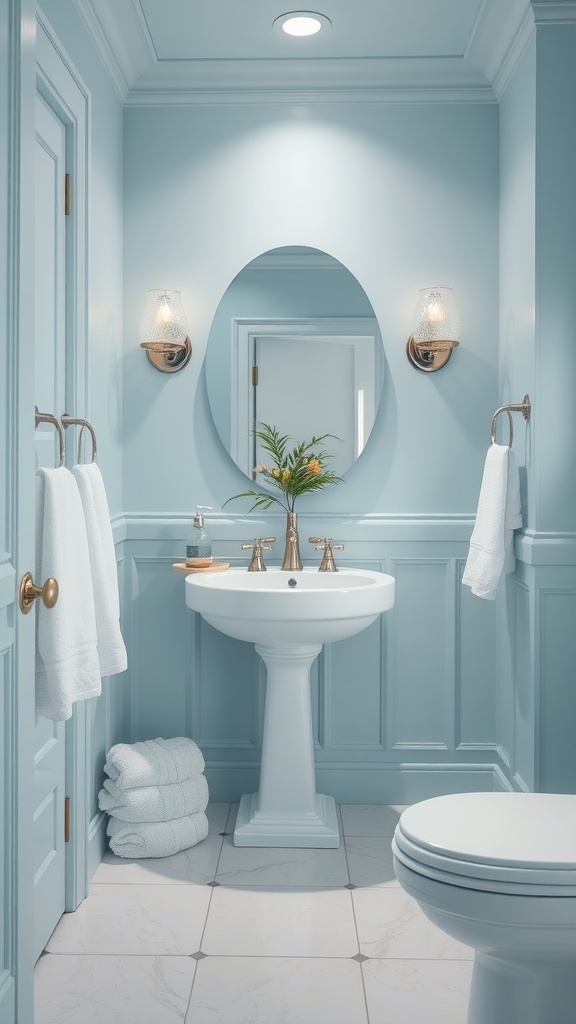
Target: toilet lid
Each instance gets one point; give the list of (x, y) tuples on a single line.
[(493, 841)]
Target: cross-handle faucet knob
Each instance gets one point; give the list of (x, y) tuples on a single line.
[(325, 544), (260, 544)]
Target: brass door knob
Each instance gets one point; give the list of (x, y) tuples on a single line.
[(29, 592)]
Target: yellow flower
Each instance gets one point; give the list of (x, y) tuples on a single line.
[(260, 469), (285, 475), (275, 472), (314, 467)]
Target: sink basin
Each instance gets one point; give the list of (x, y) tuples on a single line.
[(280, 607), (288, 616)]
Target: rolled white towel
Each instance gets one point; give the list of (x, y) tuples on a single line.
[(156, 762), (156, 838), (155, 803)]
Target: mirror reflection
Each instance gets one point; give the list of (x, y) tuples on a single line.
[(294, 344)]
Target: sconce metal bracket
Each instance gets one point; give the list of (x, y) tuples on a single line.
[(429, 356), (171, 361)]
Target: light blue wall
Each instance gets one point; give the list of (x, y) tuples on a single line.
[(537, 644), (403, 196)]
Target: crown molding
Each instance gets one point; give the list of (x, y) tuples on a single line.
[(122, 40), (552, 12)]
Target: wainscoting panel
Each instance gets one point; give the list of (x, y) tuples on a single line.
[(557, 673), (475, 667), (421, 666)]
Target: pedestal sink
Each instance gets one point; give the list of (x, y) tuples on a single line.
[(288, 616)]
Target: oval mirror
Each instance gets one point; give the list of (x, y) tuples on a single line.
[(294, 344)]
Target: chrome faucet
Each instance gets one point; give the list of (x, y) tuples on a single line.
[(257, 561), (325, 544)]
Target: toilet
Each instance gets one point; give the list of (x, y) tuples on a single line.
[(497, 872)]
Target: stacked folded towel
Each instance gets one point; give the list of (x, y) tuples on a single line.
[(156, 795)]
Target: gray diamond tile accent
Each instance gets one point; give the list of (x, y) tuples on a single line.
[(360, 958), (213, 884), (202, 956), (223, 833), (350, 886)]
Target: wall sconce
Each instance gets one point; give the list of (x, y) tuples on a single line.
[(163, 331), (436, 329)]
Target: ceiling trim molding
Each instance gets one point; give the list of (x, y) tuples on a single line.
[(102, 47), (562, 13), (267, 97), (514, 55)]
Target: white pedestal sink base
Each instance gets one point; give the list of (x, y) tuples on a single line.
[(318, 830), (287, 811)]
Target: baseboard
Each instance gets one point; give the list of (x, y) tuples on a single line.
[(371, 784)]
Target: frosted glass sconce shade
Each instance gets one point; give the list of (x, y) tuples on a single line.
[(163, 331), (436, 329)]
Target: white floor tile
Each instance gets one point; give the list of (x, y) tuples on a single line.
[(391, 925), (266, 990), (417, 991), (243, 865), (280, 922), (370, 860), (108, 989), (370, 819), (159, 920), (197, 864)]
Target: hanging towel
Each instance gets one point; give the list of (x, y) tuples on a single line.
[(156, 838), (111, 649), (67, 666), (155, 803), (499, 514), (156, 762)]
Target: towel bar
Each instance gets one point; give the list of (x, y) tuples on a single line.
[(524, 407), (47, 417), (68, 421)]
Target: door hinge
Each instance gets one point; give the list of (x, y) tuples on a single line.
[(67, 195), (254, 375), (67, 815)]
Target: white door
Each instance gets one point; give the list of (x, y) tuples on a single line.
[(49, 395)]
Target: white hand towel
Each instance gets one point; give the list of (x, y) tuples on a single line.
[(156, 762), (156, 838), (67, 666), (499, 514), (111, 649), (155, 803)]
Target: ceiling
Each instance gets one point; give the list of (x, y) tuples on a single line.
[(228, 51)]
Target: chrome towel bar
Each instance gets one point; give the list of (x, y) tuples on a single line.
[(524, 407)]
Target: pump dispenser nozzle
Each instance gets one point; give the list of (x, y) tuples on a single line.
[(199, 518)]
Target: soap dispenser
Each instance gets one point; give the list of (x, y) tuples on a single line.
[(198, 543)]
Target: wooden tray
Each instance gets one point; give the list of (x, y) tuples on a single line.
[(215, 567)]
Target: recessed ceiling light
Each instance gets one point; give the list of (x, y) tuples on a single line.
[(301, 23)]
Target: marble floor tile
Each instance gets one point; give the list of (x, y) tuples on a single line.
[(370, 819), (391, 925), (280, 922), (195, 865), (370, 860), (417, 991), (277, 990), (109, 989), (252, 865), (158, 920)]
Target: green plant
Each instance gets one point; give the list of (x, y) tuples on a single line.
[(295, 472)]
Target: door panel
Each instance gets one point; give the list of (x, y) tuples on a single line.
[(49, 751)]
